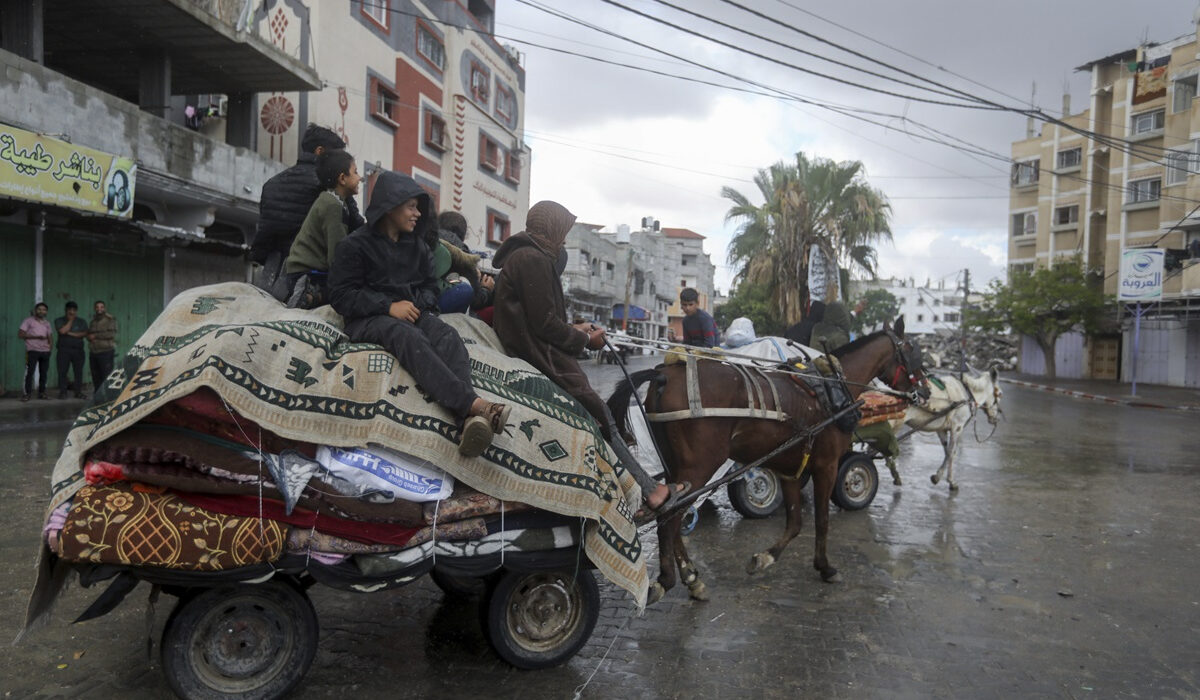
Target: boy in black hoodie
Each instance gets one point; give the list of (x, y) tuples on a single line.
[(382, 283)]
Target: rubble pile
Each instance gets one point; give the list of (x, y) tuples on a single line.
[(982, 350)]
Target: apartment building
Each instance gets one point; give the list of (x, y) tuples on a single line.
[(927, 309), (1124, 173), (642, 270), (108, 188), (418, 87)]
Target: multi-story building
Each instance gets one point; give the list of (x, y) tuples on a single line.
[(418, 87), (642, 270), (1123, 173), (109, 190), (927, 309)]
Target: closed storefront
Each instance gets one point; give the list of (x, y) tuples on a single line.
[(16, 300)]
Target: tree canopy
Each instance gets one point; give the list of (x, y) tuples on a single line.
[(812, 203), (753, 302), (1042, 304), (878, 306)]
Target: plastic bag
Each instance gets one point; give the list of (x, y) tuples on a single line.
[(379, 468), (740, 332)]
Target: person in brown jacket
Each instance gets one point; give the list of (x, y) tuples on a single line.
[(102, 344), (530, 320)]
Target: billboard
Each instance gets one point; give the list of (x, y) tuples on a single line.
[(1141, 275), (39, 168)]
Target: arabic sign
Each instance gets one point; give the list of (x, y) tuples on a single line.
[(1141, 275), (43, 169)]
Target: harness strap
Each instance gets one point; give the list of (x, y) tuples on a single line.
[(755, 397), (716, 413), (693, 386)]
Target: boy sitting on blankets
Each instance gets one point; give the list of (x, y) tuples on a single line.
[(382, 283)]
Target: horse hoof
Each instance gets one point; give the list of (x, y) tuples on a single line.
[(953, 487), (830, 575), (896, 481), (698, 591), (934, 479), (655, 593), (759, 562)]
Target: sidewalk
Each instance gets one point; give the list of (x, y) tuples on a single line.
[(1174, 398), (16, 415)]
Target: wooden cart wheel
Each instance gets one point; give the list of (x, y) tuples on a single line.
[(251, 641)]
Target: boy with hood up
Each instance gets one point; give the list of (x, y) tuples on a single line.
[(530, 320), (382, 283)]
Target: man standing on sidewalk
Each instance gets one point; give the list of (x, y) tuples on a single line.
[(102, 343), (35, 331), (71, 332)]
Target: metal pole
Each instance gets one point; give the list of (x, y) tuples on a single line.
[(1137, 332)]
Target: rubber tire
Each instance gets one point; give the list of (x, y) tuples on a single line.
[(519, 595), (757, 495), (287, 640), (458, 586), (857, 482)]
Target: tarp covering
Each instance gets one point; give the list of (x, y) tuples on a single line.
[(294, 373)]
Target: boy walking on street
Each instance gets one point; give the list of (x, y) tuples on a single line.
[(102, 344), (71, 332), (382, 283), (35, 331)]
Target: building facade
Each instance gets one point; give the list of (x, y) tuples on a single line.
[(421, 88), (927, 309), (1122, 174), (109, 190), (642, 270)]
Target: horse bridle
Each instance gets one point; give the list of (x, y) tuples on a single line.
[(904, 364)]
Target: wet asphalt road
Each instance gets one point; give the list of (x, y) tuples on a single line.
[(1065, 567)]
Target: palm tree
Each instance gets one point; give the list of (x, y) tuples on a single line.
[(813, 203)]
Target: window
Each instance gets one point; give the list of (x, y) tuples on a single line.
[(498, 227), (489, 153), (920, 318), (435, 131), (506, 104), (384, 103), (1148, 122), (1066, 215), (1024, 224), (1019, 269), (1144, 190), (430, 47), (1071, 158), (1184, 93), (377, 11), (1026, 173), (1179, 165), (480, 82), (512, 169), (950, 317)]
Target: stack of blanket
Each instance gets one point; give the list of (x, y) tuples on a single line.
[(203, 453)]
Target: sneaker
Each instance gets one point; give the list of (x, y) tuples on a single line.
[(24, 397), (497, 416), (476, 436), (297, 299), (44, 395)]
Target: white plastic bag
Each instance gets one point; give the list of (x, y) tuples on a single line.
[(740, 332), (381, 469)]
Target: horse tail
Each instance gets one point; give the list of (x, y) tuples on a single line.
[(618, 403)]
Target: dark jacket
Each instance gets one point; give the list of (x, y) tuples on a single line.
[(285, 201), (802, 332), (530, 314), (102, 333), (834, 330), (370, 272)]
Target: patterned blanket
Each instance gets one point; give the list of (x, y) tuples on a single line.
[(295, 373)]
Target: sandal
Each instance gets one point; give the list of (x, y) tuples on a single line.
[(496, 414), (647, 515), (476, 436)]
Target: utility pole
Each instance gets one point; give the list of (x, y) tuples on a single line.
[(962, 321), (628, 289)]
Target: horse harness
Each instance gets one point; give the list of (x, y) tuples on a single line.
[(756, 397)]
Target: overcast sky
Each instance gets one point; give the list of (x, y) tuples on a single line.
[(614, 144)]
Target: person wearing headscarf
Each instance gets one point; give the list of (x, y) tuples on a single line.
[(531, 321), (833, 331), (802, 332)]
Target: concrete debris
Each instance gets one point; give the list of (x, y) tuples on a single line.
[(982, 350)]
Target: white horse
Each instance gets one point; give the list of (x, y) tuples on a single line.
[(948, 411)]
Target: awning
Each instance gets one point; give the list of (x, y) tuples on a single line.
[(636, 313)]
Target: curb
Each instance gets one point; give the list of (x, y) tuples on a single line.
[(1136, 403)]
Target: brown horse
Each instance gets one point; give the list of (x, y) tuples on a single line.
[(693, 448)]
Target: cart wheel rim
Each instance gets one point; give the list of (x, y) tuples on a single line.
[(857, 483), (544, 610), (242, 645), (761, 489)]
